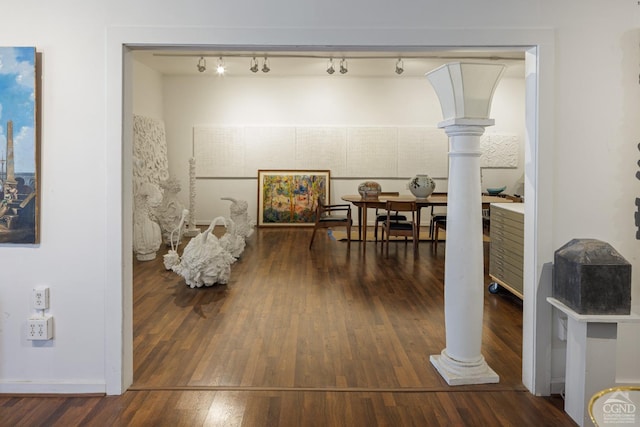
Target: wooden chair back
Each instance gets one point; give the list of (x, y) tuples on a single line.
[(401, 227)]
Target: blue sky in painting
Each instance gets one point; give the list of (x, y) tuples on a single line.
[(17, 103)]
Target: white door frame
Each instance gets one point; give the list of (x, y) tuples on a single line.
[(539, 136)]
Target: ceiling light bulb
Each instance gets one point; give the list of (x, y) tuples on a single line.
[(202, 65), (343, 66), (220, 69), (399, 67), (330, 69), (265, 66), (254, 65)]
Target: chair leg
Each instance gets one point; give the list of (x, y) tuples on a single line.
[(434, 242), (375, 232), (348, 236), (387, 244), (313, 236)]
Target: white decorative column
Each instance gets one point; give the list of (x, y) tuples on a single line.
[(465, 91), (191, 229)]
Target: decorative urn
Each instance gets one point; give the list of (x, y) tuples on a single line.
[(421, 186), (369, 190)]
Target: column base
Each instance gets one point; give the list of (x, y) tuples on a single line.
[(459, 373)]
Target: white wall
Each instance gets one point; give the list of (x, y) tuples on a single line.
[(585, 160), (147, 93), (313, 101)]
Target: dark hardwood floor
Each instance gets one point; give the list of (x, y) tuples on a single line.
[(321, 337)]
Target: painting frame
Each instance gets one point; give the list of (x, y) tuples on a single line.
[(289, 197), (20, 103)]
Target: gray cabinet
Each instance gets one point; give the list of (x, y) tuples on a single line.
[(507, 246)]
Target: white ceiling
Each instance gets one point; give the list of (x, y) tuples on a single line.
[(297, 63)]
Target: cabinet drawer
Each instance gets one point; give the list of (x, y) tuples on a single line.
[(512, 256), (508, 276), (508, 225), (508, 242), (503, 265), (497, 212)]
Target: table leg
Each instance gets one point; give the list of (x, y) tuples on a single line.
[(364, 227)]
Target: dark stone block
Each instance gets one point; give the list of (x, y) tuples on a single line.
[(591, 277)]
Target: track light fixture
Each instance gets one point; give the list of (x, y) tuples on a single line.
[(254, 65), (343, 66), (265, 66), (220, 69), (330, 68), (202, 65), (399, 66)]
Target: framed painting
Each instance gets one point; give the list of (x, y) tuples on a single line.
[(290, 197), (19, 155)]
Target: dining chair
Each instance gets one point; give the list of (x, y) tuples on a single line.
[(381, 214), (330, 216), (438, 224), (438, 213), (397, 227)]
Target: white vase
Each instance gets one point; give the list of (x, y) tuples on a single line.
[(147, 236), (421, 186)]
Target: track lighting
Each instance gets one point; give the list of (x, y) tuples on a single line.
[(330, 69), (343, 66), (265, 66), (254, 65), (399, 66), (202, 65), (220, 69)]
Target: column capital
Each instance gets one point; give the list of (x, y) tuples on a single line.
[(464, 121), (464, 130)]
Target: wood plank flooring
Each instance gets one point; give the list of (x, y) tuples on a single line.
[(320, 337)]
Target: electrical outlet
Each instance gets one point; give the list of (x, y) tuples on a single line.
[(40, 298), (40, 328)]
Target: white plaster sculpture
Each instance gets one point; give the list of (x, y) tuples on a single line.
[(233, 242), (191, 229), (205, 261), (170, 210), (150, 167), (239, 215), (149, 150), (146, 232), (172, 258)]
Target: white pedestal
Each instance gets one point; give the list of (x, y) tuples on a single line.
[(591, 358)]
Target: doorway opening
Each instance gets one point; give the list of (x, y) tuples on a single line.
[(124, 359)]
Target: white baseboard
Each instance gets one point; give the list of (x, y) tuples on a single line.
[(31, 387), (557, 386)]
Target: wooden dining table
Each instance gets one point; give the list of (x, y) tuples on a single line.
[(440, 199)]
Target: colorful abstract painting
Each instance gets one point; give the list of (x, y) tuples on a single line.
[(290, 197), (18, 146)]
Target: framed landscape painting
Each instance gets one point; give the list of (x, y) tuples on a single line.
[(19, 156), (290, 197)]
